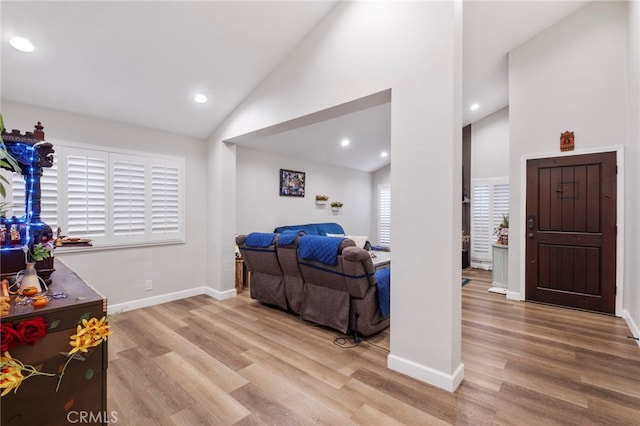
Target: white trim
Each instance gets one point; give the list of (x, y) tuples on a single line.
[(514, 295), (448, 382), (169, 297), (619, 150), (632, 325), (487, 266)]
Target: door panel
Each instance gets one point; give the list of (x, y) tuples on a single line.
[(571, 231)]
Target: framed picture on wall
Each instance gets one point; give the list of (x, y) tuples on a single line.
[(291, 183)]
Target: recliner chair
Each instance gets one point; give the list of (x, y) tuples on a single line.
[(287, 251), (267, 279)]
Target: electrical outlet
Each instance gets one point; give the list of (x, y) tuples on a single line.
[(148, 285)]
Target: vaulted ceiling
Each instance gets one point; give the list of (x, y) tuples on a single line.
[(142, 62)]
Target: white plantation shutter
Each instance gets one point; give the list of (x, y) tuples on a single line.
[(49, 196), (114, 198), (500, 204), (17, 195), (86, 198), (480, 227), (128, 203), (48, 200), (489, 201), (165, 197), (384, 215)]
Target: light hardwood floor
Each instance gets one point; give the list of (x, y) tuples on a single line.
[(200, 361)]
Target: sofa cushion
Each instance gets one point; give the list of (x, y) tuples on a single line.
[(259, 239), (308, 229), (329, 227), (319, 248), (287, 237), (313, 228)]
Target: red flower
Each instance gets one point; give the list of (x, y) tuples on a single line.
[(30, 331), (8, 337)]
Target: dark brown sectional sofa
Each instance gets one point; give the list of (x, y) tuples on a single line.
[(342, 296)]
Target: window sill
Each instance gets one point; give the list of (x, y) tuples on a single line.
[(61, 251)]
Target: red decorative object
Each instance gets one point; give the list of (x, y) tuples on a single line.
[(26, 332), (9, 337), (30, 331)]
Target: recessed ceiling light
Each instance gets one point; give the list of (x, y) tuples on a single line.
[(200, 98), (345, 142), (474, 107), (384, 154), (22, 44)]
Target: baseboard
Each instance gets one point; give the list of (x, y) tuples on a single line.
[(169, 297), (482, 265), (514, 295), (632, 325), (448, 382)]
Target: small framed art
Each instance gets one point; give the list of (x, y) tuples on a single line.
[(291, 183)]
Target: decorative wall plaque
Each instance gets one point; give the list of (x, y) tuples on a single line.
[(567, 141)]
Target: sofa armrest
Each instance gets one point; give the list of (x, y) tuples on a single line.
[(355, 254)]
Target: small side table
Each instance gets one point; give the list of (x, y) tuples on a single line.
[(242, 275), (500, 269), (382, 259)]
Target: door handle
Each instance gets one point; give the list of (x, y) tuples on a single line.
[(531, 235), (531, 221)]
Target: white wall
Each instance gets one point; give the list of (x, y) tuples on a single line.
[(259, 208), (362, 48), (379, 177), (572, 76), (120, 274), (632, 224), (490, 146)]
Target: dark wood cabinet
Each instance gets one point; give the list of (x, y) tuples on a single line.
[(83, 387)]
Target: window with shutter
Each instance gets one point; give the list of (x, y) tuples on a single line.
[(18, 207), (48, 199), (384, 215), (116, 198), (86, 196), (128, 198), (489, 201), (165, 197)]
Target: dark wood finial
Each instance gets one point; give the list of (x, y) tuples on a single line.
[(38, 133)]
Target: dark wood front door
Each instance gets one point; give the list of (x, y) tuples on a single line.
[(570, 231)]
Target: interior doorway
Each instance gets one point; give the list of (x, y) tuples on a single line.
[(570, 231)]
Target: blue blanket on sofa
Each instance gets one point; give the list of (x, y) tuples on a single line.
[(322, 249), (287, 237), (313, 228), (259, 239), (383, 282)]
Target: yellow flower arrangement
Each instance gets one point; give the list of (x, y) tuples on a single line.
[(89, 334), (12, 376)]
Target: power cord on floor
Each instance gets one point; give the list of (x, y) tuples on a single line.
[(346, 342), (342, 342)]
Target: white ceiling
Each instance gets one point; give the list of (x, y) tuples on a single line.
[(142, 63)]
